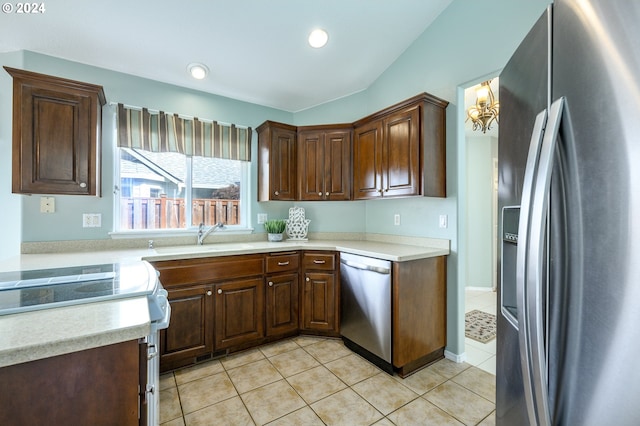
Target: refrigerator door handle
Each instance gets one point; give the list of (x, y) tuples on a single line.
[(535, 262), (522, 255)]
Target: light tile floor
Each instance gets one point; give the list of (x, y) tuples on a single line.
[(317, 381), (481, 355)]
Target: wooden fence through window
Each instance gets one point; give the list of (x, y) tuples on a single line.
[(166, 213)]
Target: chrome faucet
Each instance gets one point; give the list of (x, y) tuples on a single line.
[(202, 234)]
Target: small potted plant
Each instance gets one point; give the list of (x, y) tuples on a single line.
[(275, 229)]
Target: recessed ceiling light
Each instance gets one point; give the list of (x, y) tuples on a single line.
[(198, 71), (318, 38)]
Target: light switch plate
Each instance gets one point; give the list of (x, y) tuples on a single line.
[(47, 205), (444, 221), (262, 218), (396, 219)]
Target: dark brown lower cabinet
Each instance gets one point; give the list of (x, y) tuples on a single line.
[(190, 334), (239, 312), (282, 304), (319, 301), (225, 304), (419, 313), (97, 386), (320, 293)]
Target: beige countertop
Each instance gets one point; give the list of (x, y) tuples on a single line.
[(49, 332)]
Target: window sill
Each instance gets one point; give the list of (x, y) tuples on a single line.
[(160, 233)]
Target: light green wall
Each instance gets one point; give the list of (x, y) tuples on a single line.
[(66, 222), (467, 40), (481, 151), (10, 211)]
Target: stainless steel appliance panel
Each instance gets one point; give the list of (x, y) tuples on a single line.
[(366, 303), (596, 67), (524, 89), (576, 340)]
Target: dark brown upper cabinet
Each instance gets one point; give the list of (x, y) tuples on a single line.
[(276, 161), (56, 135), (324, 162), (400, 151)]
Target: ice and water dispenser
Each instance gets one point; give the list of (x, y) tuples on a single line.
[(508, 282)]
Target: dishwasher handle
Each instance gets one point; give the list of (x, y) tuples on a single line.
[(365, 267)]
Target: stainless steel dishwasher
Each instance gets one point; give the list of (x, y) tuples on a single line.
[(365, 324)]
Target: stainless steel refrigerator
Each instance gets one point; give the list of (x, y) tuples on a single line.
[(569, 192)]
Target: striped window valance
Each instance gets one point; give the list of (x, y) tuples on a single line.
[(166, 132)]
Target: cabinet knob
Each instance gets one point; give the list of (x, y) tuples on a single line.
[(276, 193), (83, 185), (308, 279), (219, 291), (320, 194), (326, 193), (270, 283), (209, 293)]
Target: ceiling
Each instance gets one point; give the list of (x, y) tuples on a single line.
[(256, 50)]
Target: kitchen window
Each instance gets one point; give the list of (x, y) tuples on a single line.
[(174, 173)]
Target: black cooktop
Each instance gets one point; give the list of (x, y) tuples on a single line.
[(44, 288)]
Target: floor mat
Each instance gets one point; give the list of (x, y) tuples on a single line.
[(480, 326)]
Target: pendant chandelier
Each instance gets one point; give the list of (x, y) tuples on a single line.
[(486, 109)]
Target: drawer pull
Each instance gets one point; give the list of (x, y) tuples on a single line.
[(319, 262), (283, 263)]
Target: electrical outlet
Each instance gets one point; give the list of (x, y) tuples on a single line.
[(396, 219), (91, 220), (47, 205), (262, 218), (444, 221)]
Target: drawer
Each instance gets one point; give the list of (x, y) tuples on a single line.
[(282, 262), (319, 261), (190, 271)]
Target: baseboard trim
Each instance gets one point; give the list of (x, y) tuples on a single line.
[(458, 358)]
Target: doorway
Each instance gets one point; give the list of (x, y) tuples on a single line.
[(479, 264)]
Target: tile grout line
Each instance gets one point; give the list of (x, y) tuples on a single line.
[(323, 364)]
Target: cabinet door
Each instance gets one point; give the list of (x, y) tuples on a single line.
[(56, 147), (283, 165), (282, 304), (239, 312), (367, 161), (319, 306), (190, 333), (56, 135), (337, 165), (324, 164), (311, 165), (401, 153)]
